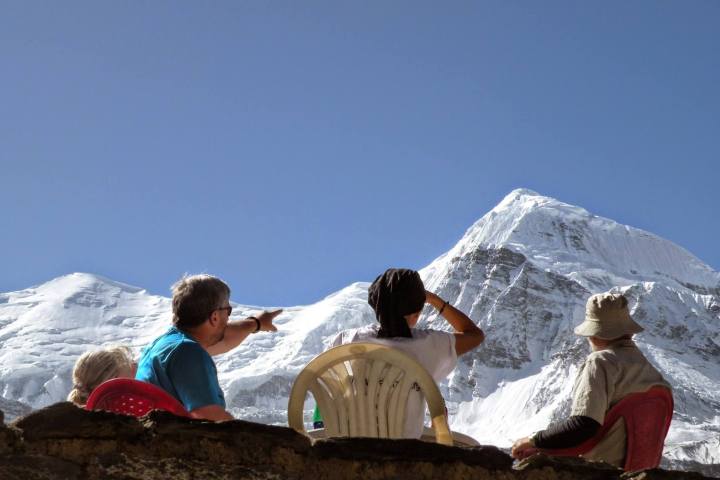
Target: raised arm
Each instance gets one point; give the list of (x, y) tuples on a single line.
[(237, 331), (467, 334)]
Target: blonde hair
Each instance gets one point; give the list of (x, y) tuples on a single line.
[(95, 367)]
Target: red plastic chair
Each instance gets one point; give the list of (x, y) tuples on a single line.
[(647, 417), (133, 397)]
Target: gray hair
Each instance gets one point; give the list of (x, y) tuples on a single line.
[(195, 297)]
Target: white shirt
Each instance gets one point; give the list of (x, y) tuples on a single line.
[(433, 349)]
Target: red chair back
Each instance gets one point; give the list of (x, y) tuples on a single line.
[(647, 417), (133, 397)]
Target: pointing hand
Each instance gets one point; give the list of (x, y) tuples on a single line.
[(266, 318)]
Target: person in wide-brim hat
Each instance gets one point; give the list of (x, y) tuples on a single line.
[(614, 369), (607, 317)]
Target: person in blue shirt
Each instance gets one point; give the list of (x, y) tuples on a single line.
[(180, 360)]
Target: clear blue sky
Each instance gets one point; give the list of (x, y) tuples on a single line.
[(295, 147)]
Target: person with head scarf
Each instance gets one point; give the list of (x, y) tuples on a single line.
[(614, 369), (397, 297)]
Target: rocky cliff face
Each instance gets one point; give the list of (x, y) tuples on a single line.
[(68, 443), (523, 272)]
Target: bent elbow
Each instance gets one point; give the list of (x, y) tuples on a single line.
[(478, 337)]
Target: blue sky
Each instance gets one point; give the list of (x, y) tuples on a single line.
[(295, 147)]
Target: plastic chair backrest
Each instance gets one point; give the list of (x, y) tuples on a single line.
[(362, 390), (133, 397), (647, 416)]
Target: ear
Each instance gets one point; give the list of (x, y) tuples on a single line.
[(214, 318)]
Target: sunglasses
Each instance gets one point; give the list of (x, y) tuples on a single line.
[(229, 310)]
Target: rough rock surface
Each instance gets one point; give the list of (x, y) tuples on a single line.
[(66, 442)]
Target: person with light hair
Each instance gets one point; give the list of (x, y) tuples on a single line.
[(180, 360), (614, 369), (97, 366)]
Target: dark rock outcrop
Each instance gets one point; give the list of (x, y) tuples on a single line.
[(66, 442)]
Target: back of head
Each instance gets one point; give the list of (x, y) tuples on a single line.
[(607, 317), (194, 299), (394, 294), (95, 367)]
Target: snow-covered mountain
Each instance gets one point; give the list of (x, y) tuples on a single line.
[(523, 272)]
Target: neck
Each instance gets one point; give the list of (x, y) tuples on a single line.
[(601, 344), (199, 335)]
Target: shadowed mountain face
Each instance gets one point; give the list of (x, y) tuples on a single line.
[(11, 409), (523, 272)]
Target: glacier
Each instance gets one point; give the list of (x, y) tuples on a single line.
[(522, 272)]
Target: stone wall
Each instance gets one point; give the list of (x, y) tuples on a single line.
[(66, 442)]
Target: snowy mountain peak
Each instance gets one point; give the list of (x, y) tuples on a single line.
[(523, 201), (569, 240), (73, 284)]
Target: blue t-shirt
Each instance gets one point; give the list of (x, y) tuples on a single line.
[(179, 365)]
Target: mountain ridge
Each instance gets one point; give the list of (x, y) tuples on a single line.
[(558, 227)]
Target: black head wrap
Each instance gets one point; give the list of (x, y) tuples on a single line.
[(394, 294)]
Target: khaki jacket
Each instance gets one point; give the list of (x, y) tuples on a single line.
[(603, 380)]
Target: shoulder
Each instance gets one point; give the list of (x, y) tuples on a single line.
[(355, 335), (435, 338), (188, 359), (440, 343), (602, 360), (430, 333), (181, 347), (190, 348), (165, 344), (602, 357)]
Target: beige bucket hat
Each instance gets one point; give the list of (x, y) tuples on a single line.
[(607, 317)]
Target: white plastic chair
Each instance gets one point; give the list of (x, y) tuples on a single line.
[(362, 390)]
